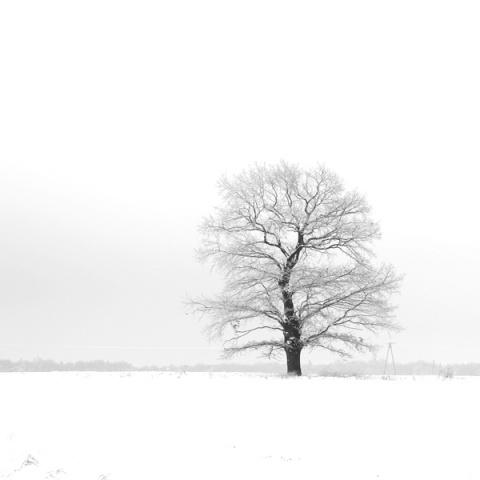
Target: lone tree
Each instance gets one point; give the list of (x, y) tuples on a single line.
[(295, 251)]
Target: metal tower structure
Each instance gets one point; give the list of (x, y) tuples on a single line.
[(390, 352)]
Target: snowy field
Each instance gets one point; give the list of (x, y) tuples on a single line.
[(120, 426)]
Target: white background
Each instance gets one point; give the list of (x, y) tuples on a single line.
[(117, 118)]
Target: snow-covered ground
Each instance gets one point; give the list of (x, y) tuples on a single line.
[(120, 426)]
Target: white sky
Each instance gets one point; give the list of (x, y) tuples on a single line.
[(117, 118)]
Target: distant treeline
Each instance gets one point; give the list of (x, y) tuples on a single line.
[(339, 368), (42, 365)]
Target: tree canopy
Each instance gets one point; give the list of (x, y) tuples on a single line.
[(295, 249)]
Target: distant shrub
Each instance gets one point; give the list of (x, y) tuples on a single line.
[(446, 372)]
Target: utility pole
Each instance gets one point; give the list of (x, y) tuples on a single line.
[(390, 352)]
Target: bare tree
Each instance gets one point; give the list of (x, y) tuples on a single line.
[(295, 251)]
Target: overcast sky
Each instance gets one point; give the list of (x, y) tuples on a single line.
[(117, 118)]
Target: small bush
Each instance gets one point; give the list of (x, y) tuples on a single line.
[(446, 373)]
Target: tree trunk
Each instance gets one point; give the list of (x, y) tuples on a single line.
[(293, 362), (291, 327)]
